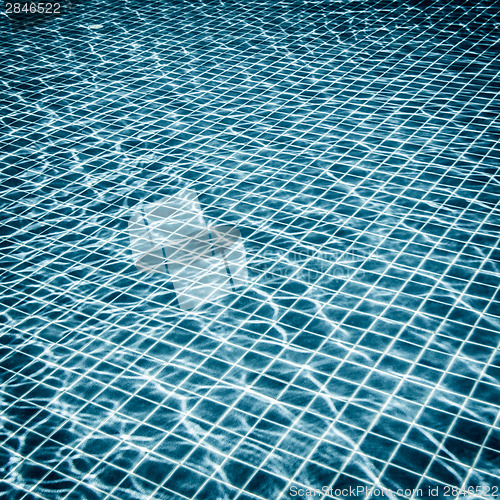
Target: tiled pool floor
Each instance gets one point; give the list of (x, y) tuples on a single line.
[(353, 146)]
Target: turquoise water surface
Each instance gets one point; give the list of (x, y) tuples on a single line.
[(353, 144)]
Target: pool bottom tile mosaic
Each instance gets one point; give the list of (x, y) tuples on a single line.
[(349, 151)]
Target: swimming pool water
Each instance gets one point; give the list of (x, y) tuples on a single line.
[(353, 144)]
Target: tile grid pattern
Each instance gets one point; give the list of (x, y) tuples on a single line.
[(353, 145)]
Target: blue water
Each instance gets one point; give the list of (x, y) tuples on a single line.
[(354, 146)]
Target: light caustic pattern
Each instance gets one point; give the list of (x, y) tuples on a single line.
[(348, 150)]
